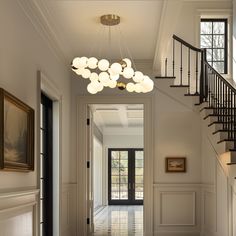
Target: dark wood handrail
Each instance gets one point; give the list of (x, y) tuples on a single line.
[(186, 44)]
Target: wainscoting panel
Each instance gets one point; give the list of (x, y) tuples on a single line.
[(18, 213), (177, 209), (209, 210), (68, 209)]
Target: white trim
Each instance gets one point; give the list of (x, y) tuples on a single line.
[(13, 194), (35, 14), (83, 102), (193, 193), (51, 90)]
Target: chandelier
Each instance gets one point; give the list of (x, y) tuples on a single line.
[(113, 74)]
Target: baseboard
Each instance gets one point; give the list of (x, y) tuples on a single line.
[(174, 233)]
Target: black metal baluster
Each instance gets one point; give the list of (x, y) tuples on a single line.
[(217, 96), (209, 88), (196, 72), (189, 61), (166, 67), (234, 118), (181, 64), (231, 114), (173, 62)]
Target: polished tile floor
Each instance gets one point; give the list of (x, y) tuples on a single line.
[(119, 220)]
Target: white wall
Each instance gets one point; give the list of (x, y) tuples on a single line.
[(215, 192), (23, 52), (97, 172)]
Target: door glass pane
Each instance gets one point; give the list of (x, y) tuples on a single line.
[(138, 175), (119, 175)]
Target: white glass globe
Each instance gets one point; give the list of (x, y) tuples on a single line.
[(106, 82), (92, 63), (116, 68), (130, 87), (100, 87), (91, 88), (103, 76), (79, 71), (114, 77), (138, 77), (76, 62), (93, 77), (82, 62), (138, 88), (127, 61), (86, 73), (128, 72), (103, 65), (112, 83), (147, 84)]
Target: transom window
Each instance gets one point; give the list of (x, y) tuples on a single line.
[(214, 39)]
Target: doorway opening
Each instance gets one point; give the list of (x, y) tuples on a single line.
[(117, 167)]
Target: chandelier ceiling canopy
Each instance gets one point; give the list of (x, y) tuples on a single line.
[(102, 72)]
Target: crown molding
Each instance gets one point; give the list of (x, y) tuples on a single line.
[(35, 12)]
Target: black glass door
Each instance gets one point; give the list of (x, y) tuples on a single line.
[(46, 167), (125, 172)]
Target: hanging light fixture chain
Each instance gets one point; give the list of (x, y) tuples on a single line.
[(127, 49)]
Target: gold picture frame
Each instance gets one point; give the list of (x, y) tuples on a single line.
[(16, 134), (175, 164)]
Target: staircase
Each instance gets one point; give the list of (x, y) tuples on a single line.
[(209, 93)]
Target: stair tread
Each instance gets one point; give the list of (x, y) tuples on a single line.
[(164, 77), (222, 130), (219, 108), (179, 86), (192, 95), (226, 140), (220, 122)]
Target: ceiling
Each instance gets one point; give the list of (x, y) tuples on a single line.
[(118, 116), (72, 27), (77, 28)]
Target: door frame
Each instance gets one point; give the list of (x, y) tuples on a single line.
[(45, 85), (83, 103)]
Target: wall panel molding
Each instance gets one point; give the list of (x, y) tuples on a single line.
[(19, 212), (68, 208), (173, 196), (177, 209)]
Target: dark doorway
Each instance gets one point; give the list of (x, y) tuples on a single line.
[(46, 167), (125, 176)]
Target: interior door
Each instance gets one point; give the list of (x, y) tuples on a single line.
[(90, 210), (125, 172)]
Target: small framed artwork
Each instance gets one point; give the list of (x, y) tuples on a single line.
[(175, 164), (16, 134)]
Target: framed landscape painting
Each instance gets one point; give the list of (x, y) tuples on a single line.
[(16, 134), (175, 164)]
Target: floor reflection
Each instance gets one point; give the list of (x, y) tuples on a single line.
[(119, 220)]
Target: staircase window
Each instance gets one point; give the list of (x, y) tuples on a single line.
[(214, 39)]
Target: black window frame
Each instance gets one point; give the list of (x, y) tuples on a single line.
[(225, 21)]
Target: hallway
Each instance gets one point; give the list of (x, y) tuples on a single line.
[(119, 220)]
